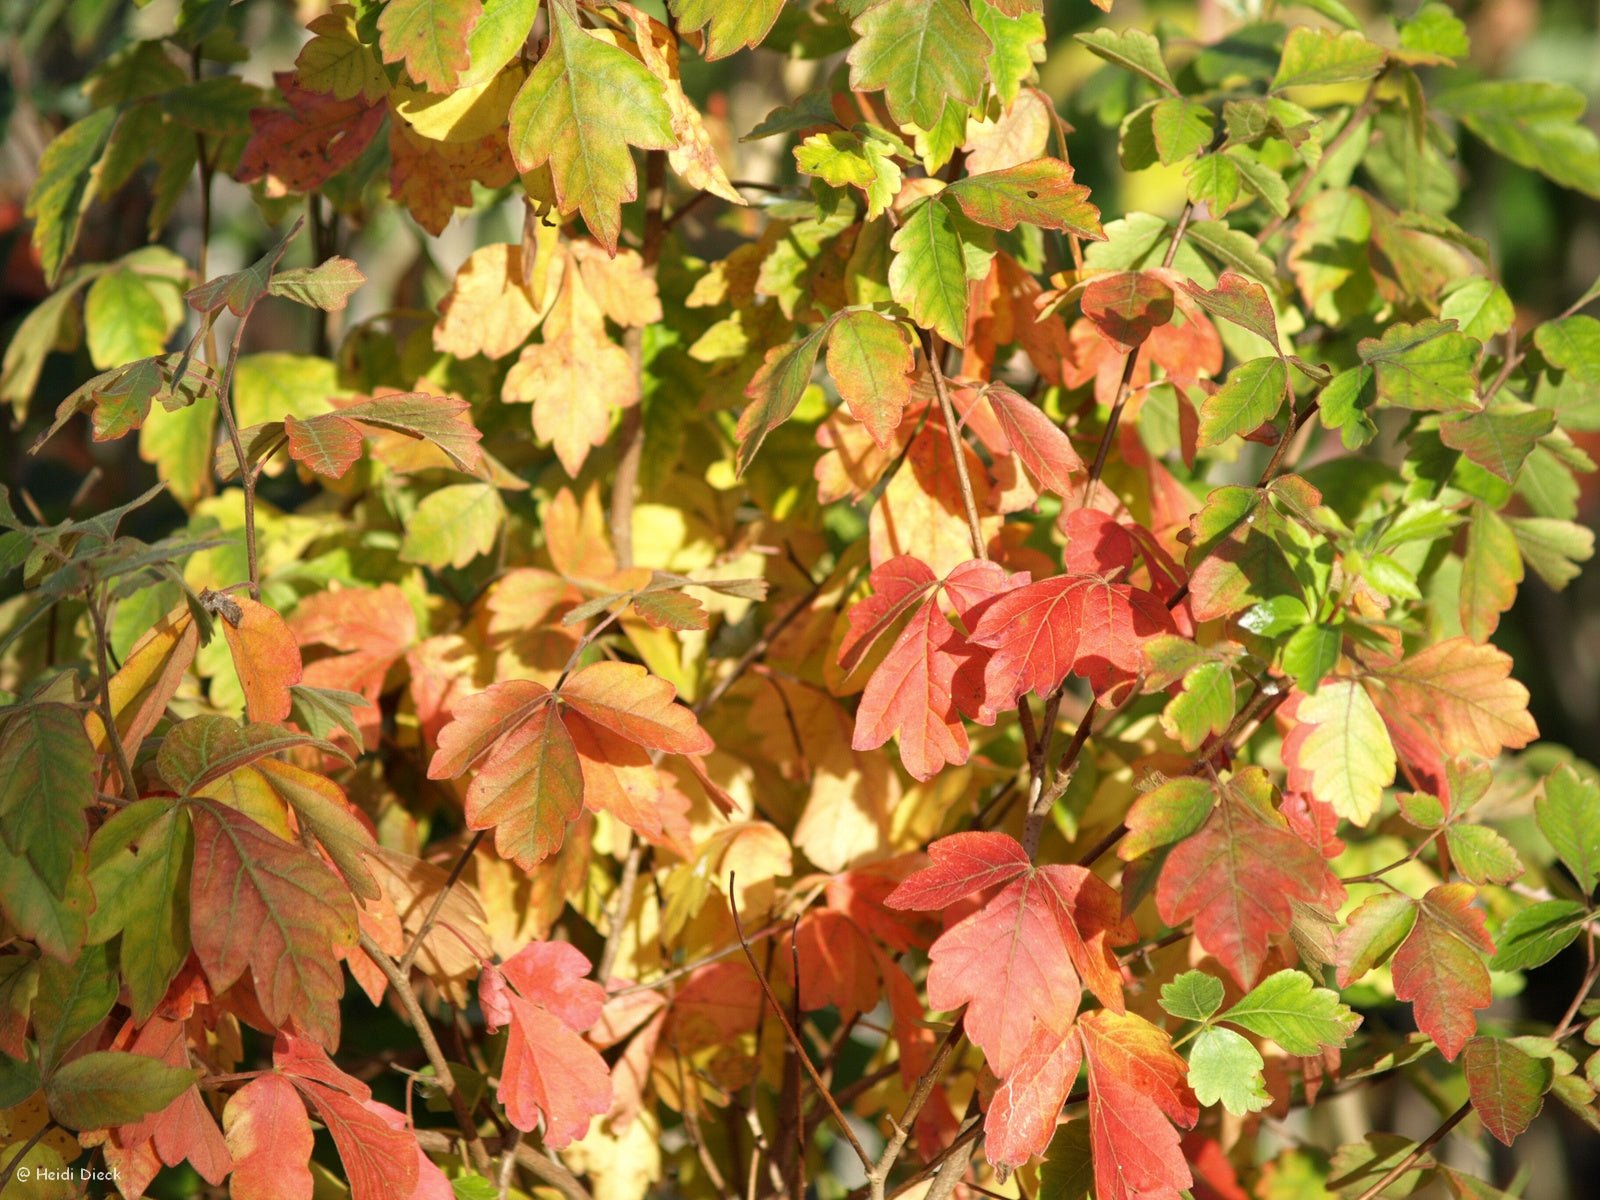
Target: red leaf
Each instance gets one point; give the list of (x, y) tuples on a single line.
[(627, 699), (897, 585), (1238, 876), (267, 1130), (260, 903), (301, 149), (837, 965), (1045, 451), (185, 1129), (1137, 1092), (267, 658), (1023, 957), (370, 629), (529, 788), (1022, 1116), (379, 1159), (1078, 624), (1464, 696), (963, 863), (550, 1074), (1096, 544), (327, 443), (912, 696), (1440, 967), (1126, 306), (1507, 1085)]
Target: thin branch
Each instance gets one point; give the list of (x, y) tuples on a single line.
[(22, 1153), (628, 884), (1112, 421), (793, 1036), (529, 1158), (878, 1176), (932, 348), (1417, 1151), (108, 716), (445, 1081), (247, 477), (410, 956)]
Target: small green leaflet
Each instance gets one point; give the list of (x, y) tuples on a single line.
[(1569, 817), (1251, 396), (1291, 1010), (1224, 1067), (1533, 123), (1317, 57), (1132, 50), (1430, 366), (64, 187), (1192, 996), (922, 54)]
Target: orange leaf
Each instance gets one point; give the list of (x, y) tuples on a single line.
[(267, 658), (267, 1131)]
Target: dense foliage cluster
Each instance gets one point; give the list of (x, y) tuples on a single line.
[(891, 676)]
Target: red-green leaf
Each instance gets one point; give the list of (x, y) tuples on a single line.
[(1137, 1093), (1126, 306), (430, 38), (1507, 1085), (1040, 193), (1440, 967), (923, 54)]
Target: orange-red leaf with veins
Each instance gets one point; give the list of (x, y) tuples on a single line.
[(1074, 624), (1126, 306), (1026, 954), (1239, 876), (837, 966), (301, 149), (184, 1129), (1022, 1116), (367, 630), (551, 1076), (897, 586), (267, 1131), (1440, 966), (628, 700), (1463, 695), (1045, 451), (1137, 1093), (271, 907), (267, 658)]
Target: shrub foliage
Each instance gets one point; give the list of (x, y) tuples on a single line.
[(896, 674)]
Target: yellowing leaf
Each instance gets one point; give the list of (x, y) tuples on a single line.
[(583, 106), (429, 37), (923, 54), (1344, 749)]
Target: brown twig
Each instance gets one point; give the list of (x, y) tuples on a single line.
[(410, 956), (108, 716), (1104, 449), (529, 1158), (878, 1176), (793, 1035), (932, 348), (1417, 1151)]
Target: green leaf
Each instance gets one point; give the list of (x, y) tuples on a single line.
[(1166, 815), (1261, 179), (1430, 366), (1507, 1085), (872, 363), (1224, 1067), (1481, 309), (1311, 652), (864, 160), (1203, 707), (1347, 751), (64, 187), (1571, 344), (1537, 934), (108, 1087), (775, 392), (582, 107), (1132, 50), (454, 525), (1568, 814), (921, 54), (1289, 1008), (1233, 248), (1251, 396), (322, 712), (56, 923), (729, 27), (1481, 855), (47, 779), (1018, 43), (1192, 996), (128, 316), (1214, 182), (327, 286), (1533, 123), (1435, 31), (1181, 128), (430, 38), (1039, 193), (1553, 548), (933, 263), (1317, 57), (72, 998), (139, 864)]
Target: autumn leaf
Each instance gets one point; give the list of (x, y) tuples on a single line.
[(1463, 695), (269, 1136), (1024, 957), (1127, 306), (268, 906), (1081, 625), (1046, 453), (1506, 1084), (872, 364), (628, 700), (49, 779), (429, 37), (1341, 750), (1041, 192), (1239, 877), (552, 1079), (301, 149), (582, 107), (266, 656), (728, 27), (1440, 966), (1137, 1093), (933, 264), (1023, 1113)]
